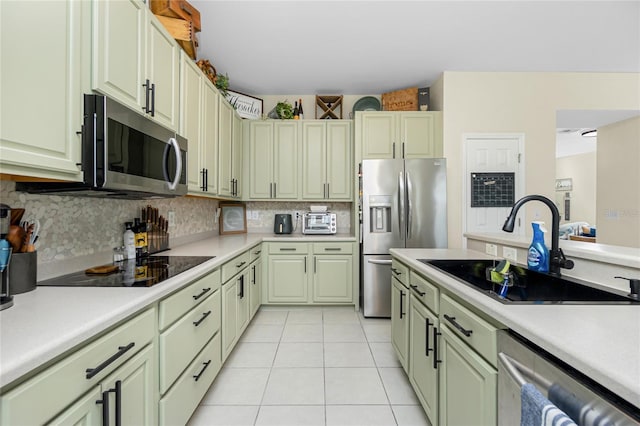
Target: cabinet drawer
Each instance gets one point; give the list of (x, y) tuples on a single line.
[(472, 329), (234, 266), (400, 271), (183, 340), (59, 385), (424, 291), (181, 401), (179, 303), (332, 248), (288, 248), (254, 253)]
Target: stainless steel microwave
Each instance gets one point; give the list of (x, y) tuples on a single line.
[(124, 155), (319, 223)]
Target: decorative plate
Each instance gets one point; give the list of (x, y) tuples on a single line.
[(368, 103)]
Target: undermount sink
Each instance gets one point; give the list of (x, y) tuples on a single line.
[(529, 287)]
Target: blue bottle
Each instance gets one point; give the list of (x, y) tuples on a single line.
[(538, 256)]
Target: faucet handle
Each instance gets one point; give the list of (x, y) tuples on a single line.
[(634, 285)]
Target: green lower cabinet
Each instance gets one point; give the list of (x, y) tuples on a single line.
[(288, 279), (423, 369), (244, 307), (332, 278), (84, 412), (177, 406), (229, 317), (468, 384), (400, 322), (255, 292)]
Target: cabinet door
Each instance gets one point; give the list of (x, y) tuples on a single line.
[(255, 291), (225, 146), (209, 142), (314, 157), (118, 53), (191, 120), (400, 322), (229, 317), (260, 160), (422, 373), (162, 71), (468, 384), (135, 384), (51, 148), (421, 134), (339, 162), (285, 160), (236, 154), (84, 412), (332, 278), (287, 279), (243, 300), (379, 135)]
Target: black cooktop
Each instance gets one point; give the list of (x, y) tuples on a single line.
[(143, 272)]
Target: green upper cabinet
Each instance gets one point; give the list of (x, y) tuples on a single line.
[(388, 134), (135, 60), (273, 160), (46, 86), (236, 154), (327, 160), (225, 147)]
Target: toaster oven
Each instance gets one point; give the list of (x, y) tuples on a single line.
[(319, 223)]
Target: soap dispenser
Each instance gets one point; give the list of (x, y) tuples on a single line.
[(538, 255)]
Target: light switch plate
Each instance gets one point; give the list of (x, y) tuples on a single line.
[(172, 218), (510, 253)]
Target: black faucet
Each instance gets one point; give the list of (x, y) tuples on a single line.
[(556, 256)]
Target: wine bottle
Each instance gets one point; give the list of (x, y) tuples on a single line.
[(300, 111), (296, 113)]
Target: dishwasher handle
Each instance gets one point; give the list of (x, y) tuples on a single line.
[(379, 262)]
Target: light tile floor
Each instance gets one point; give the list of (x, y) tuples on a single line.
[(303, 366)]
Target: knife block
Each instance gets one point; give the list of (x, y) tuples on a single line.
[(157, 239)]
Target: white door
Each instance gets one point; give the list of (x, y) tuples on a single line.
[(486, 155)]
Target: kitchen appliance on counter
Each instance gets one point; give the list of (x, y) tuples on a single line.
[(124, 155), (587, 403), (403, 204), (144, 272), (283, 224), (318, 223)]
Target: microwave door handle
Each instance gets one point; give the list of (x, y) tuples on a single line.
[(176, 148)]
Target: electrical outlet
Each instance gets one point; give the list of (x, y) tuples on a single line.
[(510, 253), (491, 249), (172, 218)]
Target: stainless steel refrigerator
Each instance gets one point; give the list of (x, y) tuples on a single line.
[(404, 204)]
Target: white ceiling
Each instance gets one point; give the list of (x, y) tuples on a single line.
[(371, 47)]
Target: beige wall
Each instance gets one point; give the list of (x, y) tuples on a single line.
[(580, 168), (618, 190), (479, 102)]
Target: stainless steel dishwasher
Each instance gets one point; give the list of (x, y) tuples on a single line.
[(586, 402)]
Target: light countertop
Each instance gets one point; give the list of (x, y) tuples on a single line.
[(48, 322), (601, 341)]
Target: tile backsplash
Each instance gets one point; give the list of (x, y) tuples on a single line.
[(74, 229)]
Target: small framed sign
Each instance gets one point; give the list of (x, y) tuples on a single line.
[(233, 219), (247, 106), (564, 184)]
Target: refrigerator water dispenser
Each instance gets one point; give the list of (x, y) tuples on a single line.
[(379, 213)]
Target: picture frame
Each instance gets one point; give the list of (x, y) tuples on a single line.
[(233, 219), (565, 184), (247, 106)]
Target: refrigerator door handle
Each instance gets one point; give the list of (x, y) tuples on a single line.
[(401, 199), (379, 262), (409, 204)]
